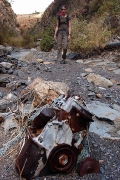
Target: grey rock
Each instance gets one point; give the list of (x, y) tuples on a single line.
[(4, 80), (91, 94), (10, 71), (1, 95)]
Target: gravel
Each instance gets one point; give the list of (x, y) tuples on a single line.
[(104, 150)]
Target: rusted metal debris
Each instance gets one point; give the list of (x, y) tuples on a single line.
[(58, 141), (88, 165)]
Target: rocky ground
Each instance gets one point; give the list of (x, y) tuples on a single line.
[(74, 73)]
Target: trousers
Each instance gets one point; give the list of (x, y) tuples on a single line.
[(62, 43)]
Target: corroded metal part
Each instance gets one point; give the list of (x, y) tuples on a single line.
[(89, 165), (31, 160), (62, 158), (41, 120), (57, 141), (53, 134), (78, 121)]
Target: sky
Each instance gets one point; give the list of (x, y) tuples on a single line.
[(30, 6)]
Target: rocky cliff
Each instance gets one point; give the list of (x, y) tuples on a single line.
[(8, 20)]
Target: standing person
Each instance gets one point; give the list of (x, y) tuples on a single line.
[(62, 34)]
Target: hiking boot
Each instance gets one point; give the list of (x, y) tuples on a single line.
[(64, 53), (62, 62), (64, 56)]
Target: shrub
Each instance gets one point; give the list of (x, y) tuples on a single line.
[(15, 41), (88, 36), (109, 6), (28, 41), (47, 42)]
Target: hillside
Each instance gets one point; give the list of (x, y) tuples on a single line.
[(28, 21), (94, 23), (84, 10), (8, 22)]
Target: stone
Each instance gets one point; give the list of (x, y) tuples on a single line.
[(102, 110), (91, 94), (47, 62), (9, 123), (79, 61), (99, 96), (6, 65), (45, 91), (40, 60), (4, 80), (117, 71), (99, 80), (92, 62), (88, 70), (10, 71)]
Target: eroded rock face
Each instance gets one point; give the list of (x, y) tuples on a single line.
[(7, 17)]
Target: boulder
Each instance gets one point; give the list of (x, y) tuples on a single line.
[(45, 91), (99, 80), (6, 65)]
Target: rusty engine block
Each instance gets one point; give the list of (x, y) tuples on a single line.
[(57, 141)]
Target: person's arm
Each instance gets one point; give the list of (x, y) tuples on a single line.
[(56, 30), (69, 29)]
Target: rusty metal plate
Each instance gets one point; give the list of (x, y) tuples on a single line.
[(41, 120), (31, 160), (89, 165)]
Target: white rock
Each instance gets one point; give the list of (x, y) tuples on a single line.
[(6, 65), (45, 91), (99, 80)]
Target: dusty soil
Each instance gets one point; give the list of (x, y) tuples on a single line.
[(70, 73)]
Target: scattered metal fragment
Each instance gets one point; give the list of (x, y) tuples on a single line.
[(57, 140), (89, 165), (31, 160)]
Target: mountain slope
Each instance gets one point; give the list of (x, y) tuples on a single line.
[(8, 20)]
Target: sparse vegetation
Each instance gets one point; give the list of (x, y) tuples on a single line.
[(47, 42), (89, 36), (15, 41), (110, 6), (28, 41), (89, 32), (7, 3), (9, 37)]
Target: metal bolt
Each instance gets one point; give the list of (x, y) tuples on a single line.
[(63, 160)]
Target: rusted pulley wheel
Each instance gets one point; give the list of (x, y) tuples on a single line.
[(62, 158), (89, 165)]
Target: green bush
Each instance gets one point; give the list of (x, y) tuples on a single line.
[(47, 43), (110, 6), (88, 36)]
